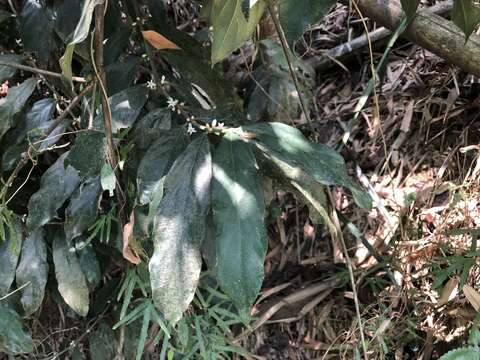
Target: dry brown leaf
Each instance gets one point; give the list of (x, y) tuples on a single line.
[(473, 296), (158, 41), (127, 251), (449, 291)]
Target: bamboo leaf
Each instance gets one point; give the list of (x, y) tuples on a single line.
[(466, 16)]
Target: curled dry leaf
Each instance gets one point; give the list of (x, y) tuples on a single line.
[(449, 291), (158, 41), (473, 296), (128, 252)]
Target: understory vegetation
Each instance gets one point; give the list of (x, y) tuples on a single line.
[(226, 179)]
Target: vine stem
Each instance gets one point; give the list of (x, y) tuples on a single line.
[(40, 71), (46, 134), (98, 66), (287, 53), (339, 236)]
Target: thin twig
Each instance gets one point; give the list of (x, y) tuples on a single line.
[(286, 51), (55, 123), (336, 221), (97, 62), (40, 71)]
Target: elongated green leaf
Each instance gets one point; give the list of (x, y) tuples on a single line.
[(466, 16), (297, 15), (313, 194), (157, 161), (9, 254), (28, 129), (32, 271), (287, 148), (88, 153), (14, 339), (72, 284), (121, 74), (16, 98), (230, 28), (238, 213), (56, 186), (125, 106), (79, 35), (151, 127), (410, 7), (6, 72), (180, 229), (90, 266), (82, 209), (36, 28)]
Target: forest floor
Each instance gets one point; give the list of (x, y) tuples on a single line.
[(414, 146)]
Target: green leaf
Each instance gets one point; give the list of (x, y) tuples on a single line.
[(121, 74), (6, 72), (287, 149), (297, 15), (82, 209), (469, 353), (157, 161), (230, 28), (180, 229), (56, 186), (37, 28), (466, 16), (72, 284), (107, 178), (102, 343), (150, 127), (14, 101), (88, 153), (79, 35), (14, 339), (90, 266), (238, 213), (313, 194), (125, 107), (32, 271), (9, 253), (410, 7), (5, 15)]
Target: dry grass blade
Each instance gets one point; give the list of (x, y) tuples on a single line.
[(472, 296)]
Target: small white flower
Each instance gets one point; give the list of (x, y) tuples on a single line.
[(123, 15), (172, 103), (191, 129), (162, 81), (18, 41), (217, 125), (151, 85)]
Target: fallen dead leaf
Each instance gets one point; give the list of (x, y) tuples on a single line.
[(449, 291), (158, 41), (473, 296), (127, 251)]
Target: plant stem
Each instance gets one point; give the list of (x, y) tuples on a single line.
[(97, 62), (339, 236), (40, 71), (55, 123), (287, 53)]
